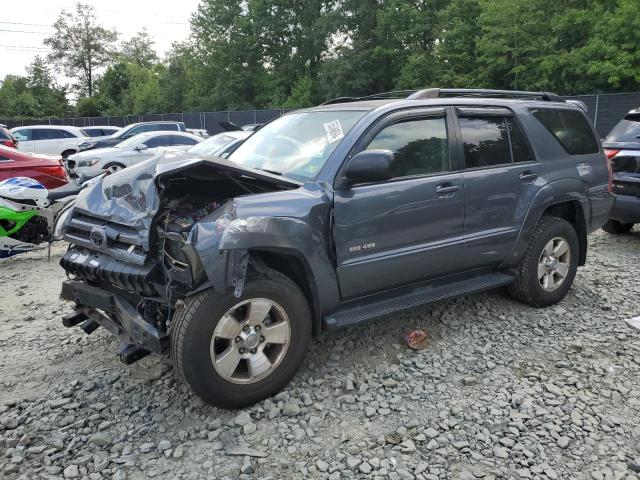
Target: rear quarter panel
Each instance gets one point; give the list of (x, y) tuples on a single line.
[(572, 177)]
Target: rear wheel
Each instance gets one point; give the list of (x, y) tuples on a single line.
[(615, 227), (233, 352), (547, 268), (113, 167)]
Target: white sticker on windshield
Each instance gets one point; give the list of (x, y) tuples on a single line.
[(334, 131)]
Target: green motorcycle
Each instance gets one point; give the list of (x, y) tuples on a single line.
[(31, 215)]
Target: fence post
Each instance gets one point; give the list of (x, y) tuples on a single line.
[(595, 115)]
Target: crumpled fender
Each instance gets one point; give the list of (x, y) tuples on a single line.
[(224, 239)]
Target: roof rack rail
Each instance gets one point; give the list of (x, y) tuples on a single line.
[(452, 92)]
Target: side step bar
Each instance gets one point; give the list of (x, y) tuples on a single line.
[(359, 311)]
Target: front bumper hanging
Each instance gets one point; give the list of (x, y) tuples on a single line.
[(98, 307)]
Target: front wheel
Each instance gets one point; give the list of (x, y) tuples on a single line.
[(113, 168), (615, 227), (547, 268), (234, 352)]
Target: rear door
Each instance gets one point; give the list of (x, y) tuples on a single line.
[(409, 228), (501, 177)]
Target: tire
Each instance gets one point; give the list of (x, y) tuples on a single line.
[(66, 153), (196, 321), (615, 227), (529, 285), (113, 167)]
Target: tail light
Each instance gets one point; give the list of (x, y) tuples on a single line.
[(610, 153), (9, 143), (57, 171)]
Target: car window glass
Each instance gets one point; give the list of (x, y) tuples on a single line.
[(64, 134), (485, 141), (180, 140), (570, 128), (23, 135), (627, 130), (4, 158), (159, 141), (420, 147), (43, 134), (519, 145), (4, 134)]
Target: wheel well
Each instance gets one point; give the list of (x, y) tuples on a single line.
[(572, 212), (297, 270), (68, 152)]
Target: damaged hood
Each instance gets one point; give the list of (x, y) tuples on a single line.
[(131, 196)]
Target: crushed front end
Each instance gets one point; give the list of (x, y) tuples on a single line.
[(138, 239)]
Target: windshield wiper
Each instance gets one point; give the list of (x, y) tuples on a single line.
[(273, 172)]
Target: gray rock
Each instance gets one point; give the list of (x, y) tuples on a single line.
[(71, 471)]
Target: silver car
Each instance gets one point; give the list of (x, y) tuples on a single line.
[(91, 163)]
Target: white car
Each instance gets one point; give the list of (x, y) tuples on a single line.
[(58, 140), (99, 132), (91, 163)]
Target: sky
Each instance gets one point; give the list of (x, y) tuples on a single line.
[(25, 25)]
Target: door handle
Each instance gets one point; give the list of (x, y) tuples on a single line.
[(446, 188), (528, 176)]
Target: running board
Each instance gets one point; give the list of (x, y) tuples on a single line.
[(361, 310)]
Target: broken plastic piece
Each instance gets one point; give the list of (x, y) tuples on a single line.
[(634, 322), (416, 339)]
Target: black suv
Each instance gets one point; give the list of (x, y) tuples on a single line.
[(130, 131), (622, 147), (332, 216)]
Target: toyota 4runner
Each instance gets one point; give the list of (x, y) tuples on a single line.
[(332, 216)]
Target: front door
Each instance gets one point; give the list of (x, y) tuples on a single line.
[(409, 228), (501, 178)]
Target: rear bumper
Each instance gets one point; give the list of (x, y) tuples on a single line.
[(99, 307), (626, 209)]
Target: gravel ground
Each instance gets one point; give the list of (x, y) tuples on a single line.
[(501, 391)]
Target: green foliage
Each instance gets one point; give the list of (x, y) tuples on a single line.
[(139, 50), (92, 106), (286, 53), (79, 46), (36, 95)]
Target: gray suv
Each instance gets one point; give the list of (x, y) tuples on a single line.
[(332, 216)]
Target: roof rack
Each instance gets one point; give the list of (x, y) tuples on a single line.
[(453, 92)]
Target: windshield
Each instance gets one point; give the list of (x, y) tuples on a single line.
[(211, 145), (296, 145)]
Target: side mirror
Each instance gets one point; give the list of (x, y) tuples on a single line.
[(141, 147), (370, 166)]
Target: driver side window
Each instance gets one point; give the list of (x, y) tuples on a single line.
[(420, 146)]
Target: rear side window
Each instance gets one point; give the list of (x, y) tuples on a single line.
[(180, 140), (493, 140), (420, 147), (159, 141), (4, 134), (570, 128), (485, 140)]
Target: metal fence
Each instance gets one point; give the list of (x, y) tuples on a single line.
[(209, 121), (605, 111)]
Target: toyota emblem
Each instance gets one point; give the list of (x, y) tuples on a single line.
[(98, 238)]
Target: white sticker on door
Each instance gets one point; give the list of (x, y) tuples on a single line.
[(334, 131)]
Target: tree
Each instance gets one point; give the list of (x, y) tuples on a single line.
[(80, 46), (139, 50)]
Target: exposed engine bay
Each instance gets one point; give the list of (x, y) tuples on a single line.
[(135, 240)]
